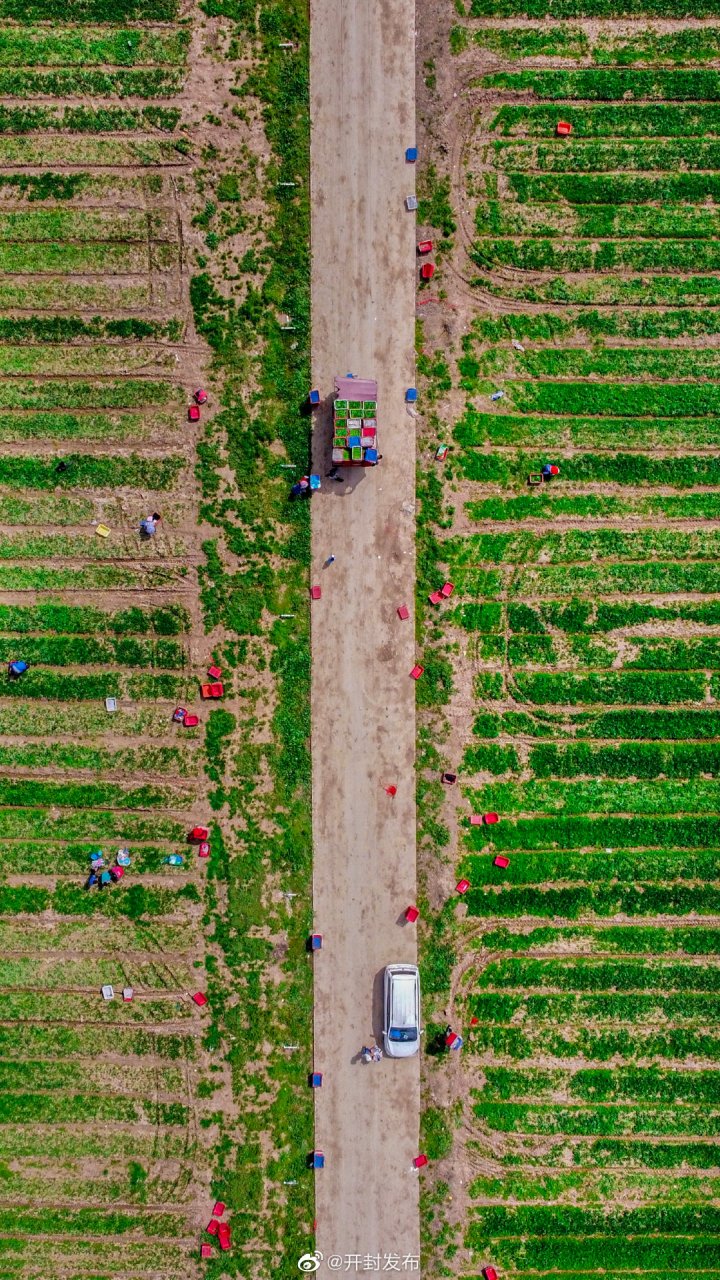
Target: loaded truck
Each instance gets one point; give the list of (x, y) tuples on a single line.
[(355, 440)]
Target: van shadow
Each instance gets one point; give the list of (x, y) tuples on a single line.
[(377, 1006)]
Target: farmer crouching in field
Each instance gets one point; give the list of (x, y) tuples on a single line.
[(149, 525)]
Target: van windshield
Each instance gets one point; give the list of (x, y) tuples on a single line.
[(406, 1034)]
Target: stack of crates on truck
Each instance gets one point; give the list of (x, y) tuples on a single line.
[(355, 441)]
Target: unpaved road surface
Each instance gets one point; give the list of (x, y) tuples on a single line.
[(363, 716)]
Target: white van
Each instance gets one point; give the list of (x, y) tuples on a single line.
[(401, 1005)]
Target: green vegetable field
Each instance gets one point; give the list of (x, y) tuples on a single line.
[(123, 199), (572, 679)]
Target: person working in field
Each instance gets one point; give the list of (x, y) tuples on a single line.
[(149, 525)]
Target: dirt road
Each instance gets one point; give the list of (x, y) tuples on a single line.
[(363, 718)]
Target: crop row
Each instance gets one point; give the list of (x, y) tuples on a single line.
[(599, 900), (90, 471), (558, 9), (591, 84), (159, 761), (47, 718), (147, 976), (580, 973), (638, 654), (44, 683), (631, 1253), (167, 620), (71, 899), (612, 940), (526, 547), (599, 1044), (92, 152), (603, 221), (27, 46), (588, 255), (90, 426), (555, 505), (69, 795), (90, 11), (84, 119), (681, 471), (647, 1009), (622, 188), (95, 934), (66, 546), (131, 1182), (590, 156), (614, 1153), (103, 826), (609, 120), (147, 82), (626, 867), (477, 428), (574, 324), (83, 358), (74, 858), (135, 1080), (575, 688), (30, 225), (595, 1084), (608, 290), (679, 47), (636, 759), (91, 578), (73, 651), (632, 724), (570, 832), (111, 393), (592, 1188), (578, 617)]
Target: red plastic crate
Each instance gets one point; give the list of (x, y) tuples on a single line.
[(315, 593), (214, 690), (435, 597), (425, 246), (563, 129), (490, 1273), (427, 271), (214, 672), (204, 850), (490, 819), (206, 1251), (501, 861), (199, 833), (218, 1208), (462, 886), (447, 589), (476, 820), (403, 612), (212, 1227), (419, 1162), (224, 1235), (200, 998), (189, 722), (193, 413), (417, 671), (411, 914)]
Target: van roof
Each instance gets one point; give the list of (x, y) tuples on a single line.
[(404, 999)]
